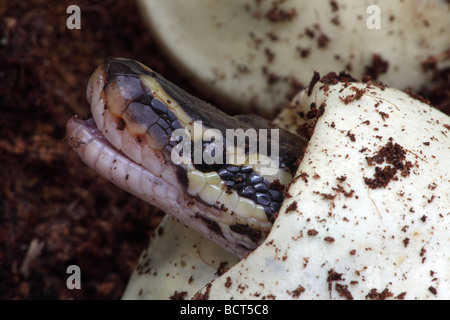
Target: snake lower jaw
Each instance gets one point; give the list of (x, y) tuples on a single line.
[(98, 153)]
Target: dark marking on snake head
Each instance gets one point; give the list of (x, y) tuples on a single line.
[(121, 124), (140, 113), (128, 87), (159, 107), (182, 176), (254, 235), (212, 225)]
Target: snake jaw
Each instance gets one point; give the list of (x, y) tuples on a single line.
[(100, 155)]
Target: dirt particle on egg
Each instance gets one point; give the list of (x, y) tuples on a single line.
[(277, 14), (292, 207), (304, 52), (228, 283), (203, 296), (383, 115), (332, 277), (359, 93), (297, 292), (329, 239), (375, 295), (395, 156), (401, 296), (178, 295), (433, 290), (343, 291), (351, 136), (334, 6), (222, 268), (270, 55), (323, 40), (406, 242), (314, 80), (379, 66)]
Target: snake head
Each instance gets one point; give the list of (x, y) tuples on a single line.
[(224, 176)]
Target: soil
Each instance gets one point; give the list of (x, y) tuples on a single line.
[(54, 211)]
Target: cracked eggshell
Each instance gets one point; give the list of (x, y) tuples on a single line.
[(177, 263), (335, 236), (252, 54)]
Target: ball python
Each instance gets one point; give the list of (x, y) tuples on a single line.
[(221, 175)]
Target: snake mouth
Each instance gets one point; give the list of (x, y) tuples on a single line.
[(130, 141)]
